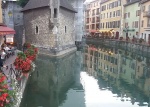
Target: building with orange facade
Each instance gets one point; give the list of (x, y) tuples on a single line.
[(111, 18), (92, 16)]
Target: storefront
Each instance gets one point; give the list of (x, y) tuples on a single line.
[(6, 35)]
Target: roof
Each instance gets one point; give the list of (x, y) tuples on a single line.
[(144, 1), (104, 1), (4, 30), (34, 4), (132, 2)]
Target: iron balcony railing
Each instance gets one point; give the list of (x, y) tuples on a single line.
[(146, 14)]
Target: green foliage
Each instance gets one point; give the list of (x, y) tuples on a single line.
[(22, 3), (21, 55)]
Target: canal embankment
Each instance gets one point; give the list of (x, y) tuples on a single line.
[(139, 48)]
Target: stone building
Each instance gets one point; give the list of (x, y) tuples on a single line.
[(79, 22), (50, 25), (0, 12)]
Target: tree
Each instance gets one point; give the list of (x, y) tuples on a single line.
[(22, 3)]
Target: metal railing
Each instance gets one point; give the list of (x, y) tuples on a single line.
[(146, 14)]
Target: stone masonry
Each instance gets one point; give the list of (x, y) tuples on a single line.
[(51, 31), (40, 18)]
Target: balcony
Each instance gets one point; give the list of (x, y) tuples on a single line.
[(93, 21), (93, 14), (146, 14), (97, 20), (87, 22), (97, 13)]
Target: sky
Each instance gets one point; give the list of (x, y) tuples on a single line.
[(88, 1)]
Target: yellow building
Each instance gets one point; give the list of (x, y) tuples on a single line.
[(92, 18), (1, 11), (111, 18), (145, 20)]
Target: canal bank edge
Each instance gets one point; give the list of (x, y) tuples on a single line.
[(58, 54)]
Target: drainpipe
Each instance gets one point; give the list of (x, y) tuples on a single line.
[(122, 19), (140, 20)]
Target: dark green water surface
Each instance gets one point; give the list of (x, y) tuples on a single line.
[(96, 77)]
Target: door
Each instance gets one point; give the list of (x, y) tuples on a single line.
[(117, 35)]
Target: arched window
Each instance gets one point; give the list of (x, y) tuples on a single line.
[(65, 29), (36, 30)]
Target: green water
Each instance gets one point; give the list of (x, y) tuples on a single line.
[(95, 77)]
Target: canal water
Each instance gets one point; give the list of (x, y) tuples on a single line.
[(97, 76)]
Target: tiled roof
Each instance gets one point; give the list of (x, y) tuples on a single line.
[(34, 4), (144, 1), (65, 4), (132, 2)]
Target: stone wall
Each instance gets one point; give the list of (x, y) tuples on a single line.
[(46, 39), (1, 11), (18, 36), (66, 19), (79, 22), (40, 18)]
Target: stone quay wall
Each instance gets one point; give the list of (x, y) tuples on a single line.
[(138, 48)]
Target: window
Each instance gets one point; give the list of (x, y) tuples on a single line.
[(133, 24), (142, 23), (118, 12), (97, 26), (97, 11), (36, 30), (128, 14), (65, 29), (125, 15), (114, 14), (148, 22), (119, 2), (103, 25), (136, 24), (126, 24), (137, 13), (143, 8), (93, 26), (104, 16), (55, 12), (110, 15)]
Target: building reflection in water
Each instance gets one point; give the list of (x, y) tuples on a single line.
[(54, 80), (122, 72)]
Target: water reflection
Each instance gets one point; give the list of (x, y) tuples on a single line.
[(124, 74), (54, 81), (107, 77)]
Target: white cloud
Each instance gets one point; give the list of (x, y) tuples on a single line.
[(88, 1)]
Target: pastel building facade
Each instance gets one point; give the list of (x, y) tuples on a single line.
[(131, 19), (145, 20), (111, 22), (92, 16)]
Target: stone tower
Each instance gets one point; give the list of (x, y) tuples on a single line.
[(79, 18), (50, 25)]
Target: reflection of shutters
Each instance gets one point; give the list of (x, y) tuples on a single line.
[(117, 35)]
